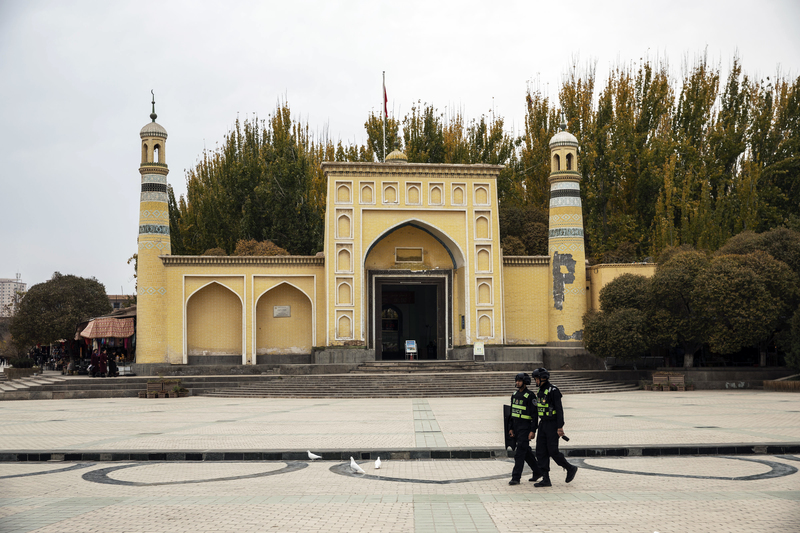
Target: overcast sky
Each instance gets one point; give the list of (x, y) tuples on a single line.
[(75, 81)]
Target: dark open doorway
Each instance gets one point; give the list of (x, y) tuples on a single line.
[(409, 308)]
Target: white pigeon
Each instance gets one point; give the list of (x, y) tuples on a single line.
[(378, 463), (354, 465), (313, 456)]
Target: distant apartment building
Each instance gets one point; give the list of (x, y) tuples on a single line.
[(9, 288)]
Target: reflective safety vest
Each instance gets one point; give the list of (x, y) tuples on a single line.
[(542, 405), (518, 408)]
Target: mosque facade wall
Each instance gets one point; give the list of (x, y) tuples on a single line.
[(602, 275), (242, 310), (527, 292), (388, 226)]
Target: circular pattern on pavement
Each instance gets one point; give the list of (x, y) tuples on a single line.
[(343, 469), (57, 470), (775, 470), (102, 475)]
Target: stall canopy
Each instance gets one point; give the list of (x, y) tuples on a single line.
[(108, 328), (119, 324)]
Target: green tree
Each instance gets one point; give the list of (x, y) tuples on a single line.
[(792, 342), (618, 333), (264, 182), (781, 243), (374, 128), (619, 327), (674, 316), (740, 300), (263, 248), (423, 133), (628, 291), (528, 224), (50, 311)]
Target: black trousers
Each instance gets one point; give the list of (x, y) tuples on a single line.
[(523, 454), (547, 446)]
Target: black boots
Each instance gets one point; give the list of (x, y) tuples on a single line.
[(545, 482), (535, 477), (513, 482), (571, 473)]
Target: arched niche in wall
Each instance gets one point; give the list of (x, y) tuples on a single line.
[(344, 327), (367, 194), (413, 196), (284, 321), (458, 195), (485, 326), (484, 293), (390, 194), (343, 193), (214, 321), (481, 195), (344, 261), (482, 227), (436, 195), (344, 293), (484, 260), (343, 227)]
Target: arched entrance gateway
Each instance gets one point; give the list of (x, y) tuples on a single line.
[(412, 272), (416, 249)]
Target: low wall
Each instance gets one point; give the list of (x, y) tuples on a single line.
[(571, 359), (342, 355), (160, 369), (17, 373)]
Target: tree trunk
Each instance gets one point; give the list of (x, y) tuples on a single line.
[(688, 360), (763, 361)]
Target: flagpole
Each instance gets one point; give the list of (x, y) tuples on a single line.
[(384, 116)]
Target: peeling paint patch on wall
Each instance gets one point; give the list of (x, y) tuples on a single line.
[(563, 274), (576, 336)]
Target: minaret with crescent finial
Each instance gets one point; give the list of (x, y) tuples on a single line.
[(154, 241), (566, 245)]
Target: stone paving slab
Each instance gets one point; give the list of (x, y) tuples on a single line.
[(664, 494), (629, 423)]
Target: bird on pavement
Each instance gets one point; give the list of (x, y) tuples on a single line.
[(378, 463), (313, 456), (354, 465)]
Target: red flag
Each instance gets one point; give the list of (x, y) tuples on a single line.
[(385, 102)]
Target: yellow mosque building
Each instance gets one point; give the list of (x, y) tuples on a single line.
[(411, 253)]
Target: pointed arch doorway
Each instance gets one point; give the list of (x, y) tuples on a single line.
[(410, 305)]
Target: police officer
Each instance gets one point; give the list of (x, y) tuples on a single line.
[(551, 427), (522, 428)]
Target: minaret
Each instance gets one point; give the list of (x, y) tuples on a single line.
[(153, 242), (566, 248)]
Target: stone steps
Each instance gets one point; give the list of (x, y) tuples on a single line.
[(406, 385), (418, 366), (456, 380)]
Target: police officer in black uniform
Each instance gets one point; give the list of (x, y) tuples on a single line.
[(523, 428), (551, 427)]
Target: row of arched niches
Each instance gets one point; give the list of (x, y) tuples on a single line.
[(413, 193), (215, 321)]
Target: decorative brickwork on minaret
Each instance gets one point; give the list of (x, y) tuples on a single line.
[(566, 246), (154, 241)]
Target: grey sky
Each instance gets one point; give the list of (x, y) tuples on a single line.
[(75, 80)]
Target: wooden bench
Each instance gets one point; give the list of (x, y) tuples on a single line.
[(679, 380), (661, 379)]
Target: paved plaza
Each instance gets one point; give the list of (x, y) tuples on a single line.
[(636, 493)]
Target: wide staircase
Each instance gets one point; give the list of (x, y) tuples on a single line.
[(408, 380), (394, 379)]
